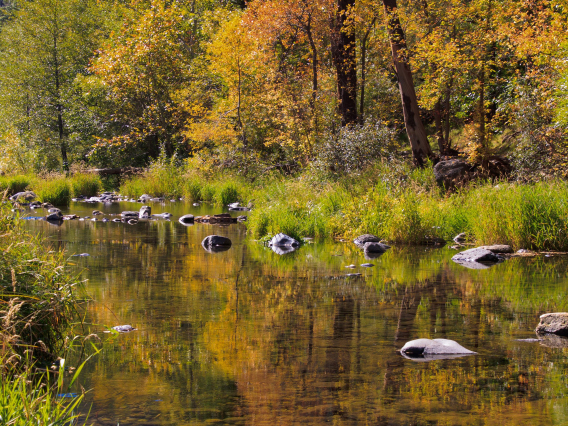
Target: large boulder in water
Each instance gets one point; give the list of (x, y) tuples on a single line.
[(434, 349), (216, 243), (376, 248), (554, 323), (54, 215), (476, 255), (283, 240), (145, 212), (498, 248)]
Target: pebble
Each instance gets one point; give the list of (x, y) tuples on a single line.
[(367, 265), (350, 266)]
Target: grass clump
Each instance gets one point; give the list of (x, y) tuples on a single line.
[(86, 184), (55, 190), (26, 399), (14, 184)]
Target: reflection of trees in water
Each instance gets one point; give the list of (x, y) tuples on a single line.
[(279, 342)]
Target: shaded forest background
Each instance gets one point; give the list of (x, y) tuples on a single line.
[(286, 84)]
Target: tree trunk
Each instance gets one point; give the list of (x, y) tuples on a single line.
[(439, 128), (363, 71), (345, 61), (314, 72), (59, 107), (414, 127)]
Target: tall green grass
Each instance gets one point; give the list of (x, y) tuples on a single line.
[(14, 184), (54, 190), (86, 184), (26, 399), (413, 210), (37, 295)]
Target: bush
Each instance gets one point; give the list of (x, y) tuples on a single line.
[(355, 148)]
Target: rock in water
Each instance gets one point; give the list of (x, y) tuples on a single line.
[(361, 240), (54, 216), (426, 347), (475, 255), (145, 212), (554, 323), (375, 248), (124, 328), (283, 240), (187, 219), (216, 243), (129, 215), (460, 238)]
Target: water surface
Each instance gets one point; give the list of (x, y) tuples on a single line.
[(250, 337)]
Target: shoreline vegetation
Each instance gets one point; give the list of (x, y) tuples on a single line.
[(38, 305), (396, 202)]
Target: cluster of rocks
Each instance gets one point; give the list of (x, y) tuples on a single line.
[(371, 245)]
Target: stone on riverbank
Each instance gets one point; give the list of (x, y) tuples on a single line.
[(553, 323), (54, 215), (453, 172), (24, 196)]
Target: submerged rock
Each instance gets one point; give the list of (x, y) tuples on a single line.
[(553, 323), (434, 349), (283, 240)]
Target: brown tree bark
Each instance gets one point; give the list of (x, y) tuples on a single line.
[(345, 61), (414, 127)]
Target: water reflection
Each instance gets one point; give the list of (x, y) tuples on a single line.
[(248, 336)]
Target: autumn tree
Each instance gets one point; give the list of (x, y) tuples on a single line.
[(146, 72), (44, 45)]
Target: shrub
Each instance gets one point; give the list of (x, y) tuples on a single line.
[(227, 193), (355, 148)]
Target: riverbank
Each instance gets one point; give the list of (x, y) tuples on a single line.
[(394, 201), (38, 304)]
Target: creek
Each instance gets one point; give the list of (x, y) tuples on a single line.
[(246, 336)]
